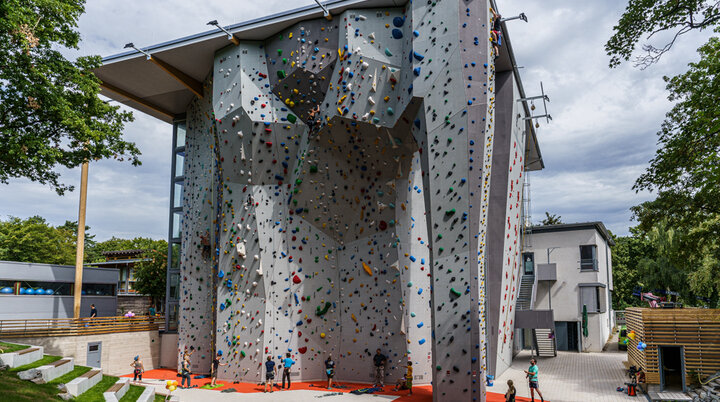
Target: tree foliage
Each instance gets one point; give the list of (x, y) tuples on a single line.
[(150, 275), (50, 112), (626, 255), (647, 18), (686, 168), (551, 219), (34, 240)]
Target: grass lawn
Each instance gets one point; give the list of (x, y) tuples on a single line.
[(10, 347), (45, 360), (96, 393), (14, 389), (133, 394)]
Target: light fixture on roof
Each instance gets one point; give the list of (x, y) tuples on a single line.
[(545, 99), (326, 12), (230, 36), (131, 45), (522, 16)]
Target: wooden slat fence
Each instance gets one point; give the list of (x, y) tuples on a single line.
[(80, 326), (697, 330)]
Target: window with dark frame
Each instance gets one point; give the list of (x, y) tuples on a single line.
[(588, 258)]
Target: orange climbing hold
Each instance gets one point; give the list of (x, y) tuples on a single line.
[(367, 268)]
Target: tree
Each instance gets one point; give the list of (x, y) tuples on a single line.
[(34, 240), (50, 112), (651, 17), (551, 219), (626, 255), (150, 275), (686, 168)]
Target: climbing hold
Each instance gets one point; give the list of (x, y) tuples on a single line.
[(397, 34), (366, 268), (321, 310)]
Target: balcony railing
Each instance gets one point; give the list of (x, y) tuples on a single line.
[(79, 326)]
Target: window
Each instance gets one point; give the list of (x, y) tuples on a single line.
[(529, 263), (592, 296), (588, 258)]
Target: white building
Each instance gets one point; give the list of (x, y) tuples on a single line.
[(567, 266)]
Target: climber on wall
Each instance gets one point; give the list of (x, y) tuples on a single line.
[(313, 118), (496, 32)]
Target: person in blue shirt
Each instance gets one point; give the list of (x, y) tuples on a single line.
[(330, 370), (287, 363), (532, 375), (270, 370)]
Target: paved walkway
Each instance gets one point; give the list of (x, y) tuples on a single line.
[(571, 376)]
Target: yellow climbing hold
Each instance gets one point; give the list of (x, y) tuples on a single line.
[(367, 268)]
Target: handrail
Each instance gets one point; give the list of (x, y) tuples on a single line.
[(534, 291), (78, 326)]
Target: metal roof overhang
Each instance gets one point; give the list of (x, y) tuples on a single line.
[(149, 88)]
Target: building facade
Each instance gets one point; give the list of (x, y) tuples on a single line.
[(128, 298), (343, 183), (29, 290), (580, 259)]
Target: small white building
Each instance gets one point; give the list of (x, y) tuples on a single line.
[(570, 265)]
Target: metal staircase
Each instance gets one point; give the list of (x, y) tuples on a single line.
[(544, 341), (525, 293)]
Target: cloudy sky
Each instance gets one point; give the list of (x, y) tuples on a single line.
[(601, 137)]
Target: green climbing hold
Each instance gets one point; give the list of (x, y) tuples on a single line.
[(298, 182), (242, 353), (281, 74), (320, 311), (455, 292), (280, 50), (438, 368), (388, 52), (291, 118), (450, 211), (284, 60), (313, 168)]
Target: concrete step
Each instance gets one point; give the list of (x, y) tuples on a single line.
[(48, 372), (117, 391), (79, 385), (22, 357), (148, 395)]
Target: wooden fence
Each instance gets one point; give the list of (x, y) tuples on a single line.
[(79, 326), (697, 330)]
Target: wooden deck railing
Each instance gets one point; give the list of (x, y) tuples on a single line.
[(80, 326)]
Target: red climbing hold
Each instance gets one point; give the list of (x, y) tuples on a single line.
[(302, 350), (296, 279), (383, 225)]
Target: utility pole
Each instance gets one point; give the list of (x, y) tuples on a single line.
[(80, 252)]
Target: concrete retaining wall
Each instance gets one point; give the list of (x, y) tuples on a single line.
[(118, 349)]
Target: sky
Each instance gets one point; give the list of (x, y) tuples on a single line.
[(601, 138)]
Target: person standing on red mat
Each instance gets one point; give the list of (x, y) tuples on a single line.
[(287, 363)]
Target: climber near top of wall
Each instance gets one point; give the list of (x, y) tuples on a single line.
[(496, 32), (313, 117)]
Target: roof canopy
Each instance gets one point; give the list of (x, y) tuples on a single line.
[(164, 84)]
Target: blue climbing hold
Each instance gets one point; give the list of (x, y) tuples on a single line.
[(398, 21), (397, 34)]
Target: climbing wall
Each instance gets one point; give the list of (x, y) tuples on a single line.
[(366, 229), (504, 248), (195, 316)]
